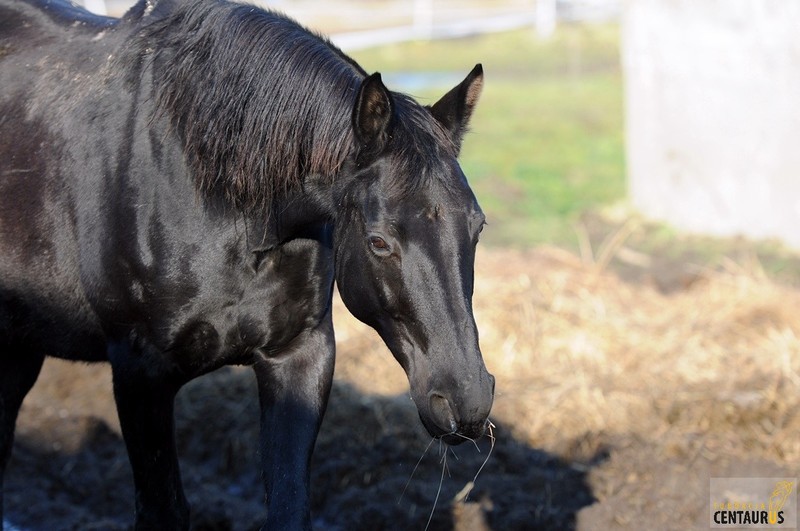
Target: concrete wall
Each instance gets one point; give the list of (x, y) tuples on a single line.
[(713, 114)]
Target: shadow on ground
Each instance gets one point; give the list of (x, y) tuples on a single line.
[(69, 469)]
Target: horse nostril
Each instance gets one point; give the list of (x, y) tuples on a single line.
[(442, 412)]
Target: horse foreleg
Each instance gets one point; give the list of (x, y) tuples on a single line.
[(18, 373), (145, 399), (293, 388)]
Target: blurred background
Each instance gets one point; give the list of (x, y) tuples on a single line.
[(597, 112), (637, 288)]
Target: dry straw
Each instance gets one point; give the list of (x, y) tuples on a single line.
[(582, 356)]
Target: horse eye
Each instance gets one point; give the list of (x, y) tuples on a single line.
[(378, 244), (480, 230)]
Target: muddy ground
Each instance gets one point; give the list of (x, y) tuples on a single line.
[(616, 402), (70, 469)]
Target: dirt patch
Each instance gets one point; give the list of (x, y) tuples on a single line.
[(616, 402)]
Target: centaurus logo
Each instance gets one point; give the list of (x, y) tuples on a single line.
[(753, 503)]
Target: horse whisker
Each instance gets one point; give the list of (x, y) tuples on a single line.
[(473, 441), (415, 470), (491, 436), (438, 491)]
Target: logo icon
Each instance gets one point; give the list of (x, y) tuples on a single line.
[(778, 499)]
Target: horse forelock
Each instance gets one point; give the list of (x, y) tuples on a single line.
[(258, 101), (420, 148)]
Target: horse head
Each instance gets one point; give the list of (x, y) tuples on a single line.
[(405, 238)]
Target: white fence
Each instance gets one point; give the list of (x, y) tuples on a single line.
[(359, 23)]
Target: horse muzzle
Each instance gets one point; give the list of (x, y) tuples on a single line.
[(459, 415)]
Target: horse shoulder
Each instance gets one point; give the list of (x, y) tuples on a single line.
[(289, 293), (229, 305)]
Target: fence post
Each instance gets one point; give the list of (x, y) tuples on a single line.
[(97, 7), (545, 18), (423, 18)]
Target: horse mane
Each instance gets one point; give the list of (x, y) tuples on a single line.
[(258, 101)]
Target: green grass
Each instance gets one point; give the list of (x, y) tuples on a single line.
[(546, 141)]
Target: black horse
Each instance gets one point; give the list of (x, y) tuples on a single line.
[(179, 190)]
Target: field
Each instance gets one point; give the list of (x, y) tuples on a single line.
[(632, 363)]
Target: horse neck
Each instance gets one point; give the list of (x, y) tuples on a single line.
[(303, 213)]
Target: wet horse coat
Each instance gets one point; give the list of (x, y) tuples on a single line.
[(179, 191)]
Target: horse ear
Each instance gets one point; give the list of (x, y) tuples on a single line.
[(455, 108), (372, 114)]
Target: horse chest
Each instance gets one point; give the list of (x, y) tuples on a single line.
[(289, 292)]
